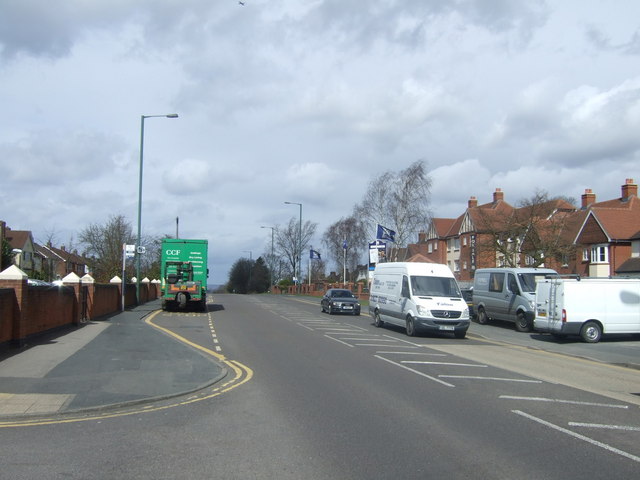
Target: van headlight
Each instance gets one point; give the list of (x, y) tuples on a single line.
[(422, 311)]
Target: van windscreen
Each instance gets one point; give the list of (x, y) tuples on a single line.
[(434, 287), (528, 280)]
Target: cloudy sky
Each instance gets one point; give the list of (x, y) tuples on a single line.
[(305, 101)]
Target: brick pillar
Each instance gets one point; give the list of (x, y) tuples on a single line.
[(89, 283), (15, 278), (73, 280)]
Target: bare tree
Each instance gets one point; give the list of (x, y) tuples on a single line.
[(536, 232), (103, 244), (345, 241), (397, 200), (289, 244)]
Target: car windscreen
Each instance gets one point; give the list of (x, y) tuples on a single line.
[(342, 294), (434, 287), (528, 280)]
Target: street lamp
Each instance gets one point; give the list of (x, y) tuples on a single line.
[(271, 269), (139, 240), (299, 241)]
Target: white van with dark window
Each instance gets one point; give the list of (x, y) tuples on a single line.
[(422, 297), (507, 294)]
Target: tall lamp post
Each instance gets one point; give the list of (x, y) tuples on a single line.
[(299, 241), (271, 268), (139, 240)]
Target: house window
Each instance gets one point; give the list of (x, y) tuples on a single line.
[(456, 265), (464, 241), (599, 254), (430, 247), (456, 243), (464, 265)]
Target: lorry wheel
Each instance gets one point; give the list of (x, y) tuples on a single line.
[(482, 316), (591, 332), (411, 329), (522, 324), (377, 320)]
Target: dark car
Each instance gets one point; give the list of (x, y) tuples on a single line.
[(338, 300)]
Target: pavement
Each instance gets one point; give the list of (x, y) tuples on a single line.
[(116, 361)]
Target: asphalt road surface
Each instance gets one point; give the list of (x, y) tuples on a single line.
[(320, 396)]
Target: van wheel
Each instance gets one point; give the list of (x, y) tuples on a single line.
[(522, 324), (482, 316), (591, 332), (411, 329), (377, 321)]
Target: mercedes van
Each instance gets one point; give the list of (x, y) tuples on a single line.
[(421, 297), (507, 294)]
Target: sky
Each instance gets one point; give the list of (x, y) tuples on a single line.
[(305, 101)]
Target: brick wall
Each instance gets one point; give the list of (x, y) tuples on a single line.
[(27, 310)]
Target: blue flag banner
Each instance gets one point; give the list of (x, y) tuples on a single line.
[(314, 255), (385, 233), (344, 244)]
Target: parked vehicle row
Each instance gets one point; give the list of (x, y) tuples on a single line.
[(425, 297), (540, 299)]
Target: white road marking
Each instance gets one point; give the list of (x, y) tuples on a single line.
[(415, 371), (608, 427), (556, 400), (578, 436), (420, 362), (468, 377)]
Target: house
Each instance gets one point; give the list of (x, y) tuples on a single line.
[(631, 266), (608, 236), (61, 262), (23, 250)]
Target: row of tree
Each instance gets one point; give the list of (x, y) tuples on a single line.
[(399, 200)]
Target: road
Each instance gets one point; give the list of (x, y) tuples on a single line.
[(332, 397)]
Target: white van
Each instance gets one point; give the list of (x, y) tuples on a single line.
[(419, 297), (507, 294), (588, 307)]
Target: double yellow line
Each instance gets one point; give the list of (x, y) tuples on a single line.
[(241, 375)]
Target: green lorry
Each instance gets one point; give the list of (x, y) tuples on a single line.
[(184, 272)]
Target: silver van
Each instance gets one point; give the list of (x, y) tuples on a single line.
[(507, 294)]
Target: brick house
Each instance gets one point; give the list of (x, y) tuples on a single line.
[(62, 263), (597, 239), (608, 236)]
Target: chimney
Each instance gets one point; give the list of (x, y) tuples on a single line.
[(629, 189), (588, 197), (498, 195), (422, 237), (473, 202)]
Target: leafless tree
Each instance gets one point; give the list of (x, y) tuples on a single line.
[(399, 201), (290, 246), (534, 233), (350, 233)]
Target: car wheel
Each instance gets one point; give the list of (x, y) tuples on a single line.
[(522, 324), (591, 332), (411, 328), (322, 306), (482, 316), (377, 321)]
